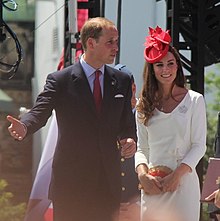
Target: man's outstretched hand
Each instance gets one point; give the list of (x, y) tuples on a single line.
[(16, 129)]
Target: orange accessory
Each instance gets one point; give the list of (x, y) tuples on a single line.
[(159, 171)]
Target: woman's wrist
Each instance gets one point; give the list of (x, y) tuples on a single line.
[(142, 171), (182, 169)]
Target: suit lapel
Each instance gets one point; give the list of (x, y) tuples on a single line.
[(80, 87), (110, 87)]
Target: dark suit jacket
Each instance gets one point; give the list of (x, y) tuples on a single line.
[(86, 145), (130, 191)]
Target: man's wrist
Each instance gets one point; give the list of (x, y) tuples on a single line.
[(25, 129)]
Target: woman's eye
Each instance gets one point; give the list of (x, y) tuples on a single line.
[(171, 64), (159, 65)]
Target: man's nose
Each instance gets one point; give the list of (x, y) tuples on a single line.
[(116, 47)]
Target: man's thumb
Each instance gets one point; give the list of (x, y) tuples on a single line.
[(11, 119)]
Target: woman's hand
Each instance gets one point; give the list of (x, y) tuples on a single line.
[(151, 185), (171, 182)]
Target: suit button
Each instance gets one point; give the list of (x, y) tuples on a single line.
[(118, 145), (122, 159), (123, 188), (122, 174)]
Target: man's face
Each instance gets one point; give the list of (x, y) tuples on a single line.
[(106, 47)]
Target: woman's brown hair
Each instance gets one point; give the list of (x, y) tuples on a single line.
[(150, 96)]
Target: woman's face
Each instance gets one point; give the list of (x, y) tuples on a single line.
[(165, 70)]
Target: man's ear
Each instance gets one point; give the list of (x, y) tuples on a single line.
[(91, 43)]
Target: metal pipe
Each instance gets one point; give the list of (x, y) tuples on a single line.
[(217, 138), (2, 34)]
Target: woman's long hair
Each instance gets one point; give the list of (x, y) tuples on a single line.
[(150, 96)]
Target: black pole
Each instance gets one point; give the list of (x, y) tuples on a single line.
[(102, 8), (2, 35), (217, 138), (117, 59), (1, 14)]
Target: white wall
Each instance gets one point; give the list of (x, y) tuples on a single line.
[(49, 38), (136, 17)]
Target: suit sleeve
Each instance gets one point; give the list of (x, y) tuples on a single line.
[(142, 154), (39, 114), (198, 133), (128, 125)]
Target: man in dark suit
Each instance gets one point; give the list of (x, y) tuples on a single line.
[(85, 183)]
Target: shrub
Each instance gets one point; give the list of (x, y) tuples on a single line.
[(8, 211)]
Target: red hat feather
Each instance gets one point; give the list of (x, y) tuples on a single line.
[(156, 45)]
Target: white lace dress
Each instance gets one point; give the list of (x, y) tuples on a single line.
[(171, 139)]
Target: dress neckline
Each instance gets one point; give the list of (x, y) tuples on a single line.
[(182, 101)]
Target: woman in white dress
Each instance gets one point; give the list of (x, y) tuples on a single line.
[(171, 129)]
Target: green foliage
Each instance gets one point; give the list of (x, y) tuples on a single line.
[(8, 211), (212, 94), (205, 214), (211, 131), (212, 82)]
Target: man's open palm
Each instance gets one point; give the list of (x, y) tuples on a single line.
[(16, 129)]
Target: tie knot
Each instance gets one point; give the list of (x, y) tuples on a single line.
[(97, 73)]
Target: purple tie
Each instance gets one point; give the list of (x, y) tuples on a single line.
[(97, 91)]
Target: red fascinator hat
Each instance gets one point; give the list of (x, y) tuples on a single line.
[(156, 45)]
